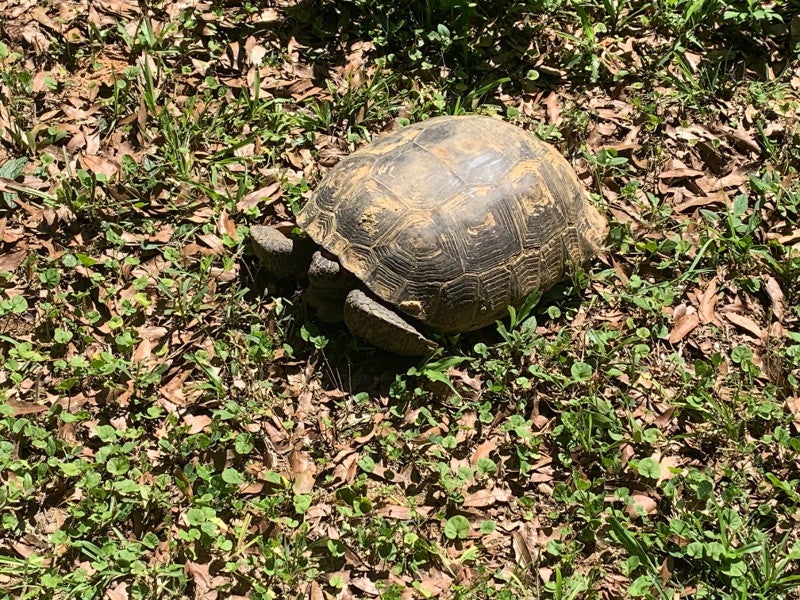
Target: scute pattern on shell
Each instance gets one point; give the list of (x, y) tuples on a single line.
[(455, 218)]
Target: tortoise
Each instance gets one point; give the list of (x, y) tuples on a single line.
[(440, 225)]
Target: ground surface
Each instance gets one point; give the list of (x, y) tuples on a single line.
[(169, 429)]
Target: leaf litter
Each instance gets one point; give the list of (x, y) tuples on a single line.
[(315, 434)]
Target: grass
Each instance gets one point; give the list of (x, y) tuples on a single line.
[(171, 428)]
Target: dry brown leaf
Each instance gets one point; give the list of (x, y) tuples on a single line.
[(474, 383), (734, 179), (201, 577), (196, 423), (627, 452), (525, 541), (226, 225), (553, 110), (685, 322), (665, 417), (746, 323), (621, 275), (12, 235), (479, 499), (775, 294), (366, 586), (143, 351), (346, 469), (303, 470), (435, 583), (742, 139), (363, 439), (793, 404), (681, 173), (395, 511), (118, 592), (267, 194), (667, 464), (213, 242), (50, 520), (152, 333), (25, 550), (718, 197), (193, 249), (708, 302), (483, 450), (496, 494), (305, 404), (99, 165), (163, 235), (315, 592), (20, 408), (640, 504)]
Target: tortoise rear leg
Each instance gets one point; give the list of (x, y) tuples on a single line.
[(382, 327), (281, 255)]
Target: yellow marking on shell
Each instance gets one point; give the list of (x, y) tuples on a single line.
[(412, 307), (368, 219), (519, 170), (487, 223)]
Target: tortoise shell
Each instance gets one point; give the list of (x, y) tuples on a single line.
[(453, 219)]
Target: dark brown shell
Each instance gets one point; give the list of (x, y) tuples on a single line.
[(455, 218)]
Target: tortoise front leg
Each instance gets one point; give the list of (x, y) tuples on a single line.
[(376, 324), (328, 286)]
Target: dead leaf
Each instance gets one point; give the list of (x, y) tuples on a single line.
[(303, 470), (346, 467), (775, 294), (793, 404), (395, 511), (708, 302), (315, 592), (366, 586), (746, 323), (640, 504), (267, 194), (734, 179), (486, 497), (143, 351), (201, 577), (483, 450), (50, 520), (363, 439), (627, 452), (23, 549), (473, 383), (21, 408), (667, 464), (118, 592), (685, 322), (681, 173), (553, 111), (435, 583), (99, 165), (226, 225), (213, 242), (665, 417), (525, 542), (718, 197), (196, 423), (163, 235)]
